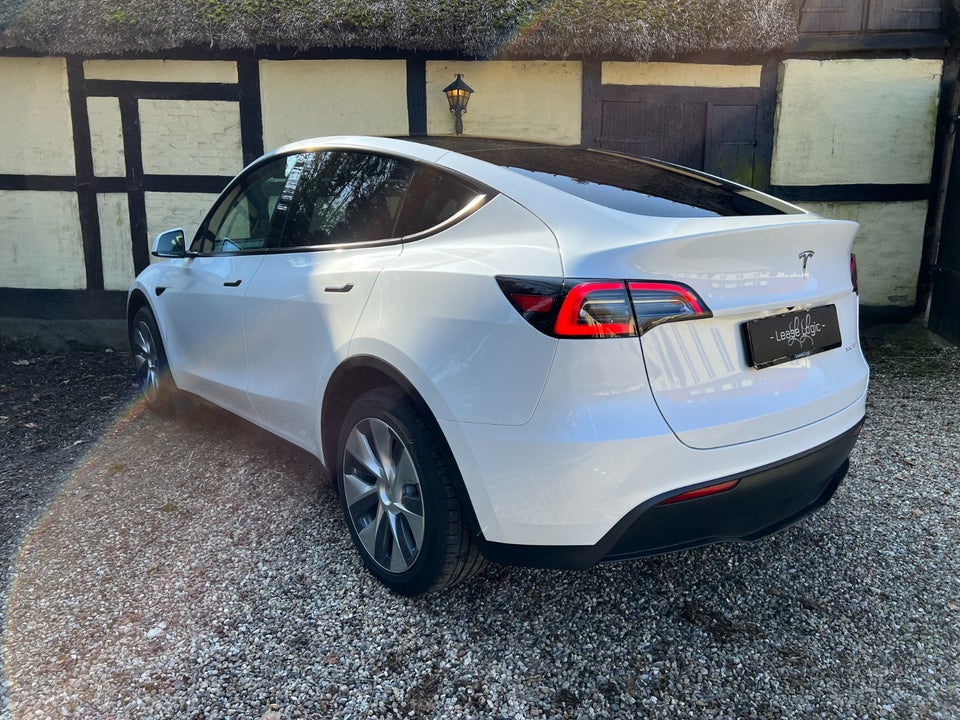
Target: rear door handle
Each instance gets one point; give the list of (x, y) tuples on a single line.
[(342, 289), (235, 283)]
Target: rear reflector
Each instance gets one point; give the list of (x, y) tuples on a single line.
[(568, 308), (702, 492)]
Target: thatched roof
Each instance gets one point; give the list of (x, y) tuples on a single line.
[(637, 29)]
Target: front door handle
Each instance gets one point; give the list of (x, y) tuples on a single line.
[(342, 289), (235, 283)]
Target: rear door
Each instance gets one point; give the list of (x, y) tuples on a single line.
[(301, 308)]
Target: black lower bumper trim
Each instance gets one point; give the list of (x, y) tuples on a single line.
[(764, 501)]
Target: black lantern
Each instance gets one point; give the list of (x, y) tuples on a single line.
[(458, 95)]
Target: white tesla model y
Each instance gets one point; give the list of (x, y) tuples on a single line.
[(540, 355)]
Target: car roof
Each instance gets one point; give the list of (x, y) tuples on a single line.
[(556, 165), (589, 173)]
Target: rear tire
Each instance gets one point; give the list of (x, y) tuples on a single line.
[(397, 492), (150, 362)]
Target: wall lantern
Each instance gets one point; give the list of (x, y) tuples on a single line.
[(458, 95)]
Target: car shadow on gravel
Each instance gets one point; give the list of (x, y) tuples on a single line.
[(198, 568)]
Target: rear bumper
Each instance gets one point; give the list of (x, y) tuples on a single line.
[(764, 501)]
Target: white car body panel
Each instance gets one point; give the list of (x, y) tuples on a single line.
[(206, 346), (593, 451), (528, 488), (471, 357), (710, 396), (299, 315)]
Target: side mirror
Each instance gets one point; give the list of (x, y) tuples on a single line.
[(170, 244)]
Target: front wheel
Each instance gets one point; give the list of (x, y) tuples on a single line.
[(398, 496), (150, 362)]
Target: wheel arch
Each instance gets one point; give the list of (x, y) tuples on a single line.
[(137, 300), (353, 378)]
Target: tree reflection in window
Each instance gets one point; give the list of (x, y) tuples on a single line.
[(346, 197)]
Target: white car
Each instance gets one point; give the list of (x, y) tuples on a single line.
[(539, 355)]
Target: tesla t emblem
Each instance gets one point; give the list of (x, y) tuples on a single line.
[(805, 256)]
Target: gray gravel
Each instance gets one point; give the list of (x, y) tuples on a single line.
[(198, 569)]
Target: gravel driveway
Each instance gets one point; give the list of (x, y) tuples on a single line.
[(198, 569)]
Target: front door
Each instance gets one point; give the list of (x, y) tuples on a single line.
[(206, 341)]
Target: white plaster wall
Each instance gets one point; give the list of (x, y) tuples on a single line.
[(855, 121), (166, 211), (680, 74), (888, 247), (191, 137), (116, 252), (531, 100), (211, 71), (37, 133), (310, 98), (40, 246), (106, 136)]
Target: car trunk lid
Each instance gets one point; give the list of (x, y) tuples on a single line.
[(793, 276)]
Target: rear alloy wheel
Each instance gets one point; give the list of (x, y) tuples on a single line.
[(398, 496), (150, 362)]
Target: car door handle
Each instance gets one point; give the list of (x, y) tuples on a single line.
[(342, 289), (235, 283)]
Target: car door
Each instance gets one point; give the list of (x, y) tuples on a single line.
[(303, 304), (205, 301)]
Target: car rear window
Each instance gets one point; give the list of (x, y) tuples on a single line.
[(623, 182), (635, 185)]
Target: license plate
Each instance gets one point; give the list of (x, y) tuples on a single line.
[(792, 335)]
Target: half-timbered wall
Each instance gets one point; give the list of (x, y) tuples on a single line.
[(854, 140), (99, 155)]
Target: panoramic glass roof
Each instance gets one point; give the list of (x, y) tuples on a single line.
[(623, 182)]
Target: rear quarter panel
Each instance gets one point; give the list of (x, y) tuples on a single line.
[(438, 316)]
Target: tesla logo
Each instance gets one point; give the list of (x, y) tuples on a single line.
[(805, 256)]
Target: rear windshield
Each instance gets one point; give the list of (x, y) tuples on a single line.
[(622, 182), (634, 185)]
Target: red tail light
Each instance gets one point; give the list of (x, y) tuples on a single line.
[(595, 309), (600, 308), (853, 274)]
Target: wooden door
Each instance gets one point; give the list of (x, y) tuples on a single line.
[(731, 147), (711, 129), (945, 297)]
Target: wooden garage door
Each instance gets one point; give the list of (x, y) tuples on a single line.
[(945, 297), (711, 129)]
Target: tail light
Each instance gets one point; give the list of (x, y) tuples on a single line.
[(853, 274), (600, 308), (595, 309), (657, 302)]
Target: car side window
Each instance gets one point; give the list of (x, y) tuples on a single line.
[(434, 197), (345, 197), (244, 220)]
